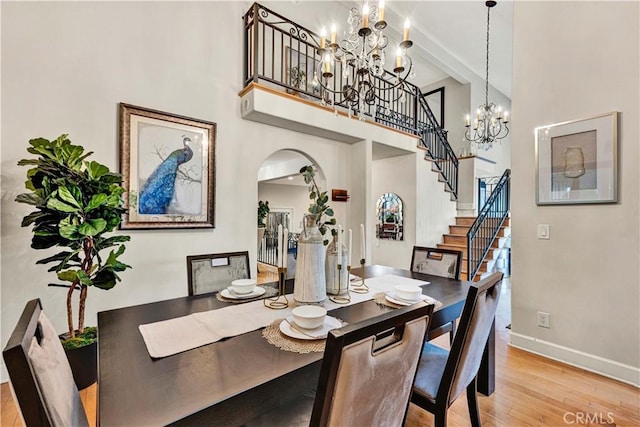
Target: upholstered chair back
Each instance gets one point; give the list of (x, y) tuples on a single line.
[(40, 374), (473, 331), (370, 371), (215, 272), (436, 261)]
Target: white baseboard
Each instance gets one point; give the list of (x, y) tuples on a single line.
[(606, 367)]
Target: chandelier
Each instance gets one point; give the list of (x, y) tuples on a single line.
[(354, 67), (491, 122)]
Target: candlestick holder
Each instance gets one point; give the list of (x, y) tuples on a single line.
[(362, 288), (279, 301), (341, 299)]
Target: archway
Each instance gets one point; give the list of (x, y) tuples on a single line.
[(281, 184)]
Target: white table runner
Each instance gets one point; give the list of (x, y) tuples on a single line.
[(173, 336)]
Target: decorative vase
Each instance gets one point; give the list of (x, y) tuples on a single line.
[(335, 287), (310, 285)]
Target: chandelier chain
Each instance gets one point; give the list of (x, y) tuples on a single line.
[(491, 123), (486, 87)]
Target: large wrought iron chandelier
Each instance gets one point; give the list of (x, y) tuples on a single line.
[(491, 123), (353, 67)]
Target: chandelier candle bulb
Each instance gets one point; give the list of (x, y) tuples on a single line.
[(399, 58), (365, 16), (333, 34), (506, 117), (407, 25), (381, 11), (467, 121), (323, 38)]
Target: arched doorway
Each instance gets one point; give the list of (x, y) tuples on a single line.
[(281, 184)]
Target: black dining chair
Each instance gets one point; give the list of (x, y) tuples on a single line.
[(215, 272), (443, 375), (40, 374), (438, 262), (366, 374)]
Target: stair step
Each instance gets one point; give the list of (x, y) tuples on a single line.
[(463, 276), (461, 240), (469, 220), (463, 249), (464, 229)]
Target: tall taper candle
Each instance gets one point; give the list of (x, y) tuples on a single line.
[(280, 245), (350, 246), (362, 245), (285, 247), (339, 248)]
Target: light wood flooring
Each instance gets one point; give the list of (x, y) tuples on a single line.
[(530, 391)]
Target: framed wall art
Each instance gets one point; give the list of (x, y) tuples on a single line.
[(168, 168), (576, 161)]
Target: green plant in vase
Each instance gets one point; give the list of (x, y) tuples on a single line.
[(77, 202), (319, 206), (263, 211)]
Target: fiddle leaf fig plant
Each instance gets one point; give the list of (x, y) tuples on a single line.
[(319, 206), (76, 203)]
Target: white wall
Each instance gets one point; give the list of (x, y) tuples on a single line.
[(294, 197), (456, 107), (574, 60), (395, 175), (69, 75)]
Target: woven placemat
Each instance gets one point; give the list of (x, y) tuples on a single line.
[(379, 298), (273, 336), (268, 293)]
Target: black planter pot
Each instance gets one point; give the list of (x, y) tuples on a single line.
[(84, 364)]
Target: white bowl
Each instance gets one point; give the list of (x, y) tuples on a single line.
[(243, 286), (309, 316), (408, 292)]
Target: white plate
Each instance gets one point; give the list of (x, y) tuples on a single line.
[(311, 334), (228, 293), (392, 297)]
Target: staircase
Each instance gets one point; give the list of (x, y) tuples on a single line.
[(456, 239)]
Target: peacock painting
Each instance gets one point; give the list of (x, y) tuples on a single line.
[(157, 192)]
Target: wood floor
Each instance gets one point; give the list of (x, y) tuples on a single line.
[(530, 391)]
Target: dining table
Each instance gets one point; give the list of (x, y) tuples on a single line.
[(236, 379)]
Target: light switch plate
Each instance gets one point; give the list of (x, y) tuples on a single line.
[(543, 231)]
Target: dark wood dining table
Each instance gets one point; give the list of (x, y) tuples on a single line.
[(233, 380)]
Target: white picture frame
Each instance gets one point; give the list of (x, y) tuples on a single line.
[(577, 161)]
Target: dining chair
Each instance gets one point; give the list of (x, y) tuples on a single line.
[(215, 272), (438, 262), (443, 375), (40, 374), (365, 376)]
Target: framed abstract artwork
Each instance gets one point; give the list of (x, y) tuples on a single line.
[(577, 161), (168, 168)]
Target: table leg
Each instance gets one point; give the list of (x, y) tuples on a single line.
[(487, 373)]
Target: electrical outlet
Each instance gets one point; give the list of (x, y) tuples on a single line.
[(544, 319)]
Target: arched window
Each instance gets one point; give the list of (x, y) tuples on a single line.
[(390, 217)]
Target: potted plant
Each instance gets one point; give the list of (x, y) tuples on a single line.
[(76, 203), (319, 207), (263, 211)]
